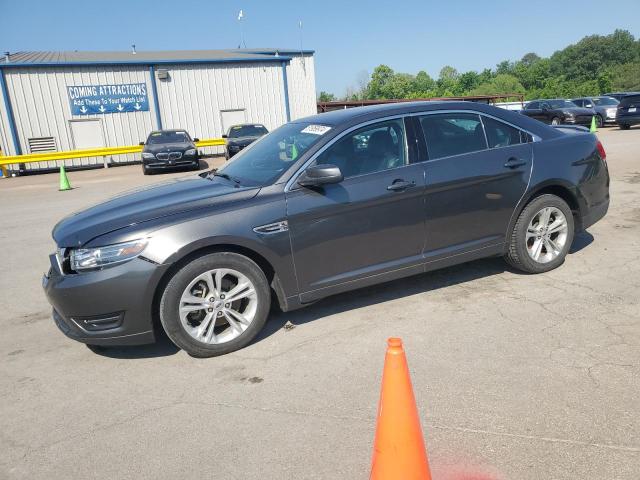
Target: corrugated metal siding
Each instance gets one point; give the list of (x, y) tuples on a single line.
[(5, 134), (41, 108), (195, 94), (302, 86)]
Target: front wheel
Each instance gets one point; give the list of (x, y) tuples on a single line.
[(625, 127), (542, 235), (215, 304), (555, 121), (599, 121)]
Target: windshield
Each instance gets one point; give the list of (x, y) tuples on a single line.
[(247, 131), (167, 137), (266, 159), (561, 104), (605, 101)]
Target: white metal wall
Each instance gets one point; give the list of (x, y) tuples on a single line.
[(41, 108), (194, 95), (5, 135), (301, 78)]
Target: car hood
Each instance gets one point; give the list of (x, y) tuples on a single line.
[(167, 147), (243, 141), (131, 208)]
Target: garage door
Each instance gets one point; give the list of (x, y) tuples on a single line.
[(232, 117)]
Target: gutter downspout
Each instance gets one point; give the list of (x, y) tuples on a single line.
[(10, 117), (154, 92), (286, 91)]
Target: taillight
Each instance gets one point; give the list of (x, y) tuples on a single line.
[(603, 154)]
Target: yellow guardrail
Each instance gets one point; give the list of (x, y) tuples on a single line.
[(89, 152)]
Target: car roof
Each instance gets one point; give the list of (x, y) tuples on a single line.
[(170, 130), (350, 115)]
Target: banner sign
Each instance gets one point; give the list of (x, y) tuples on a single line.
[(96, 99)]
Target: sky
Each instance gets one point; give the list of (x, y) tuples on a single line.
[(350, 38)]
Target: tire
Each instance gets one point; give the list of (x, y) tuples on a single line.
[(625, 127), (599, 121), (522, 242), (229, 333), (555, 121), (145, 170)]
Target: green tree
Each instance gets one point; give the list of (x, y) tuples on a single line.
[(502, 83), (380, 79), (326, 97)]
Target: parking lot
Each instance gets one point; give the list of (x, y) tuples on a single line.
[(516, 376)]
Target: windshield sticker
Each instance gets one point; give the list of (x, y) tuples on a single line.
[(316, 129)]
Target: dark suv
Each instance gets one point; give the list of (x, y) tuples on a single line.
[(628, 112), (319, 206), (169, 149)]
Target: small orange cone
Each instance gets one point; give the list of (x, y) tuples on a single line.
[(398, 450)]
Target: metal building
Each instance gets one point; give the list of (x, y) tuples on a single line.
[(57, 101)]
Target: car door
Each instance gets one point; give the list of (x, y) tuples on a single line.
[(366, 228), (478, 170)]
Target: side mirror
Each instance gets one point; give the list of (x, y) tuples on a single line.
[(224, 135), (196, 139), (320, 175), (589, 105), (141, 143)]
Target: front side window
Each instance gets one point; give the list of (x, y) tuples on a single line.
[(532, 105), (605, 101), (561, 104), (578, 102), (449, 134), (373, 148), (502, 135), (269, 157)]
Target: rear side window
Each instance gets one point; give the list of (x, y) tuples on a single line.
[(532, 105), (502, 135), (451, 134), (630, 100)]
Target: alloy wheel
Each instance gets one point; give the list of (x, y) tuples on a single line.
[(218, 306), (546, 235)]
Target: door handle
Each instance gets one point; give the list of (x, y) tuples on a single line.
[(400, 185), (515, 162)]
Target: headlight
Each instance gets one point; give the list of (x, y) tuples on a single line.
[(569, 115), (99, 257), (148, 156), (191, 151)]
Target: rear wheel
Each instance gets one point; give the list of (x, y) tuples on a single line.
[(542, 235), (215, 304), (555, 121)]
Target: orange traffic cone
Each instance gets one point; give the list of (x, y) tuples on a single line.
[(398, 451)]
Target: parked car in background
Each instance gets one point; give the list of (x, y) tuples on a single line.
[(169, 149), (628, 112), (557, 111), (320, 206), (605, 108), (619, 95), (240, 136)]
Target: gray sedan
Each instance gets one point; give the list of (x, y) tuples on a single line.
[(605, 108)]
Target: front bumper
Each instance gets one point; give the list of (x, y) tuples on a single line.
[(113, 306), (183, 162)]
